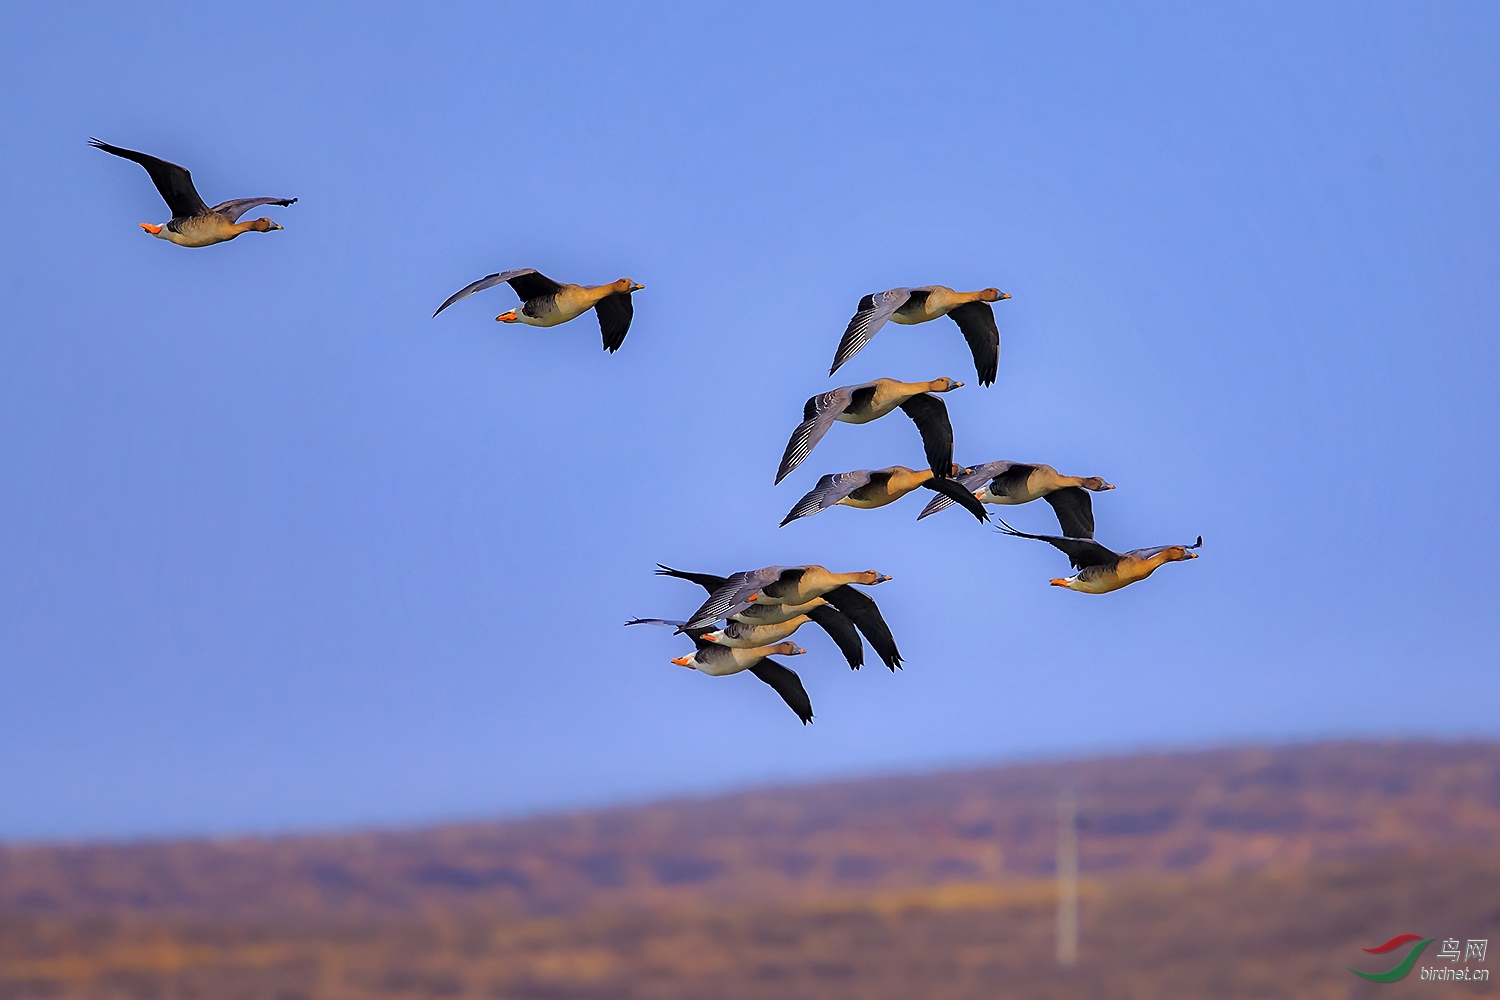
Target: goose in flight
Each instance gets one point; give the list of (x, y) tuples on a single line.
[(774, 585), (1010, 483), (719, 661), (193, 223), (545, 302), (746, 635), (868, 488), (970, 310), (1101, 570), (860, 404), (853, 605)]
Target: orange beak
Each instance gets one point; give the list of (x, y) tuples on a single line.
[(148, 227), (506, 317)]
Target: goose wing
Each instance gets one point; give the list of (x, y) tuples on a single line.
[(174, 183), (977, 321), (733, 597), (1081, 552), (232, 210), (841, 630), (972, 480), (860, 609), (1074, 509), (787, 684), (707, 581), (1148, 553), (614, 312), (529, 283), (874, 310), (490, 281), (656, 621), (829, 491), (959, 494), (818, 414), (930, 414)]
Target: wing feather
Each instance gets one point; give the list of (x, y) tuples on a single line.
[(842, 631), (830, 490), (861, 609), (872, 314), (1074, 509), (785, 682), (233, 209), (173, 183), (1081, 552), (930, 414), (818, 414), (488, 281), (959, 494), (614, 312), (977, 321)]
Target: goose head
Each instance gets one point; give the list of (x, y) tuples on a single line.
[(944, 384), (263, 225), (625, 286), (1096, 484), (993, 295), (785, 649)]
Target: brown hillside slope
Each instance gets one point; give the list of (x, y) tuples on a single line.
[(1209, 813), (1237, 873)]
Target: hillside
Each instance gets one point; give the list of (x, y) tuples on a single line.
[(1254, 872)]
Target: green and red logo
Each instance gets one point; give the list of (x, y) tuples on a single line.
[(1401, 968)]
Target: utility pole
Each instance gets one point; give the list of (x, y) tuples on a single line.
[(1067, 879)]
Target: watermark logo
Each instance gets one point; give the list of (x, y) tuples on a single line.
[(1452, 951)]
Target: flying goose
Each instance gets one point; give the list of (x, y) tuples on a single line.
[(970, 310), (857, 607), (774, 585), (746, 635), (719, 661), (860, 404), (1010, 483), (193, 223), (1101, 570), (545, 302), (868, 488)]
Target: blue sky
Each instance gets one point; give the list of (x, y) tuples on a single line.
[(280, 551)]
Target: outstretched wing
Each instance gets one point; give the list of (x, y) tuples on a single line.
[(529, 283), (829, 491), (232, 210), (707, 581), (818, 414), (787, 684), (490, 281), (959, 494), (655, 621), (930, 415), (1148, 553), (733, 597), (977, 321), (873, 311), (860, 609), (972, 480), (174, 183), (841, 630), (1081, 552), (1074, 509), (614, 312)]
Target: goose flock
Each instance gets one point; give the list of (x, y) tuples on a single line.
[(749, 616)]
